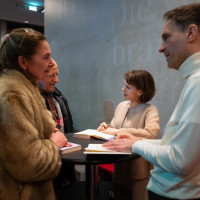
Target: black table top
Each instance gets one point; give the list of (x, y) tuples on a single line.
[(77, 157)]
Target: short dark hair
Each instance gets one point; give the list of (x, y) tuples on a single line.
[(185, 15), (142, 80), (20, 42)]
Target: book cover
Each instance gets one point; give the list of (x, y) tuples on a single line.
[(98, 149), (74, 147), (89, 133)]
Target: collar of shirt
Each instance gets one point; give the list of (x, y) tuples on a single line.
[(190, 65)]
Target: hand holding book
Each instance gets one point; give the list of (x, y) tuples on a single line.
[(71, 148)]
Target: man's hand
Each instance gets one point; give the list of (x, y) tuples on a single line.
[(123, 142)]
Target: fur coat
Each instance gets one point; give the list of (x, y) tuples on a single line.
[(29, 160)]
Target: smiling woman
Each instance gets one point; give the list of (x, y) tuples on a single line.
[(28, 133), (30, 53), (40, 63)]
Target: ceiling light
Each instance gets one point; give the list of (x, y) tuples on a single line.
[(32, 8)]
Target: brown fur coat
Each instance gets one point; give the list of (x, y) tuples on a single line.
[(28, 159)]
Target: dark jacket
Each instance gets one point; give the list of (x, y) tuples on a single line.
[(67, 117)]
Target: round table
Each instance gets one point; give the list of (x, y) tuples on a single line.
[(91, 188)]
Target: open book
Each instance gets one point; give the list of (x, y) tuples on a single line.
[(89, 133), (74, 147), (98, 149)]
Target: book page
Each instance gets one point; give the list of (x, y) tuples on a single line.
[(96, 147), (95, 133)]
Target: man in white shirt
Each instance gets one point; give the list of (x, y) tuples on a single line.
[(176, 157)]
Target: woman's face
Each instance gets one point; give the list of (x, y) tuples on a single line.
[(131, 93), (40, 63)]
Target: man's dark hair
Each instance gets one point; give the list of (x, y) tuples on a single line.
[(185, 15)]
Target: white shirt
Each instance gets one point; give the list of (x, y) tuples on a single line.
[(176, 158)]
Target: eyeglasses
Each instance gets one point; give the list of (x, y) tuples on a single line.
[(27, 30)]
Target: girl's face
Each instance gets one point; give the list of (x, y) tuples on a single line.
[(131, 93), (40, 63)]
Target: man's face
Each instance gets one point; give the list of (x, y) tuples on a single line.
[(51, 80), (174, 45)]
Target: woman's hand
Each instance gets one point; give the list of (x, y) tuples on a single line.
[(103, 126), (68, 144), (59, 138), (111, 131)]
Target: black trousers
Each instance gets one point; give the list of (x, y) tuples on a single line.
[(153, 196), (65, 176)]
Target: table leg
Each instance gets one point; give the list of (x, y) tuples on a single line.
[(91, 185)]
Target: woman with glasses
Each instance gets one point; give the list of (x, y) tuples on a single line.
[(29, 141), (141, 119)]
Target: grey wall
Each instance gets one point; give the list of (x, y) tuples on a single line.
[(96, 41)]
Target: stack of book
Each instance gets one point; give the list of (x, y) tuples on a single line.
[(69, 149)]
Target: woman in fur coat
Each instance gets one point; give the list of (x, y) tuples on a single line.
[(29, 141)]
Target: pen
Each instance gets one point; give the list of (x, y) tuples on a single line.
[(107, 125), (58, 126), (112, 138)]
